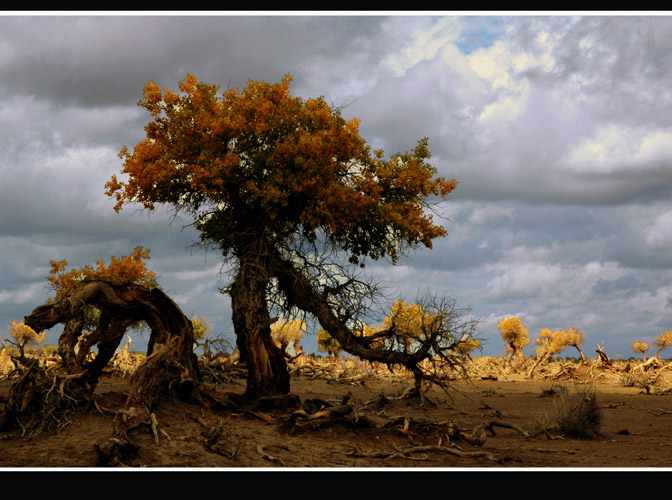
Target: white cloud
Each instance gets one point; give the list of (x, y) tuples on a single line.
[(659, 235), (28, 294), (615, 148), (423, 38), (570, 284), (505, 109)]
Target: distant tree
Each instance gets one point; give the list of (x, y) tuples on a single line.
[(576, 338), (465, 347), (293, 197), (327, 343), (662, 341), (516, 336), (286, 332), (201, 327), (550, 343), (23, 335), (640, 347), (408, 321)]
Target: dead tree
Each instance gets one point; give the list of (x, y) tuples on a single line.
[(604, 359)]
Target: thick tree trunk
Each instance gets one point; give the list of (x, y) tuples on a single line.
[(267, 373), (121, 305)]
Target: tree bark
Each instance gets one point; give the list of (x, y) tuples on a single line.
[(267, 372)]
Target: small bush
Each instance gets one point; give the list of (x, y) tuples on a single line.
[(578, 414)]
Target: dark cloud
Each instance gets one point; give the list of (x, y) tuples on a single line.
[(556, 127)]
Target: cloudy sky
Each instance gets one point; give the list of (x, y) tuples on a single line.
[(557, 127)]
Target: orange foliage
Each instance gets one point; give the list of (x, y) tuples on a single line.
[(292, 168), (550, 343), (23, 334), (285, 332), (130, 267)]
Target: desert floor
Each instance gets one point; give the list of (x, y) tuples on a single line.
[(380, 429)]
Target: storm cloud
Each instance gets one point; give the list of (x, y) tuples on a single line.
[(557, 128)]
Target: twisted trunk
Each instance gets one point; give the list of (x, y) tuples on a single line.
[(267, 373), (121, 305)]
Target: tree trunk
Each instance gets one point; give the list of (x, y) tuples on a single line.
[(543, 358), (267, 373), (518, 352), (121, 305)]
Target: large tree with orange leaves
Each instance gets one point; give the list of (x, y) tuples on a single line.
[(292, 196)]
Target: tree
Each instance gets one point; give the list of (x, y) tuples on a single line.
[(170, 365), (201, 327), (516, 336), (327, 343), (285, 332), (408, 321), (89, 328), (23, 335), (662, 341), (640, 347), (465, 347), (550, 343), (575, 338), (292, 197)]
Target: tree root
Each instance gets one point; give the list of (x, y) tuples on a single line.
[(41, 401)]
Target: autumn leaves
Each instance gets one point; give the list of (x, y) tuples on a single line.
[(549, 343), (293, 167)]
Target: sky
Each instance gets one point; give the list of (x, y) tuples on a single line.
[(558, 128)]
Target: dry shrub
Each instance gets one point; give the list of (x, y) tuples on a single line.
[(575, 414), (650, 381), (6, 364), (578, 413)]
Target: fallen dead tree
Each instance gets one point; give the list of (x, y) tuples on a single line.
[(169, 368)]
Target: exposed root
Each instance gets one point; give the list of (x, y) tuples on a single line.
[(40, 401)]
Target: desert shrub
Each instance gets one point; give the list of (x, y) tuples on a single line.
[(578, 413), (575, 414), (642, 380), (553, 391)]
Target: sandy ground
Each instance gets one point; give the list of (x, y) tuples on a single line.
[(380, 430)]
